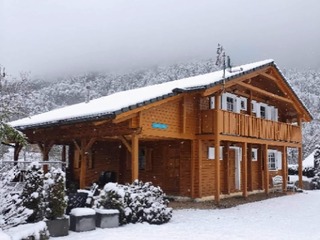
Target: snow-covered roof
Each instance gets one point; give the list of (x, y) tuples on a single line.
[(111, 105)]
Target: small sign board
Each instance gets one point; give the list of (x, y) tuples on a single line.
[(159, 125)]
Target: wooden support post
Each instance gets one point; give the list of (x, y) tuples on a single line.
[(200, 166), (300, 167), (245, 170), (284, 169), (45, 149), (63, 153), (227, 167), (134, 157), (17, 149), (266, 169), (84, 148), (249, 157), (217, 131), (260, 168)]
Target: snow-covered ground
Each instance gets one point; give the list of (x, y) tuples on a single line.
[(290, 217)]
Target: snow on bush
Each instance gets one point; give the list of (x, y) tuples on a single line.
[(54, 194), (138, 202), (29, 231), (32, 194), (12, 211)]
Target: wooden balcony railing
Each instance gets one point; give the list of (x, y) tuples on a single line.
[(249, 126)]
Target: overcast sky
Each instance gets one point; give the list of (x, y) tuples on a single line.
[(56, 37)]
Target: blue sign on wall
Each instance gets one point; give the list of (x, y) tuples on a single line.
[(159, 125)]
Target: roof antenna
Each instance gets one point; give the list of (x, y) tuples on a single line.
[(221, 59), (87, 93)]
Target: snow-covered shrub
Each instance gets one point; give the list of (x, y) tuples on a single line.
[(12, 211), (55, 199), (308, 172), (32, 194), (138, 202)]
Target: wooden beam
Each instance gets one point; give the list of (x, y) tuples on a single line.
[(249, 159), (266, 169), (245, 170), (226, 161), (184, 114), (268, 76), (300, 167), (192, 166), (232, 82), (89, 144), (217, 126), (260, 168), (263, 92), (125, 118), (284, 169), (135, 157), (126, 143), (76, 145), (200, 166), (83, 167)]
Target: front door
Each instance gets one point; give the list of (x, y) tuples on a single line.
[(173, 170)]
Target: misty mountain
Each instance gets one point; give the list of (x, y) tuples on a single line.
[(46, 96)]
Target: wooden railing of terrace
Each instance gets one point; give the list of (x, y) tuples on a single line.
[(248, 126)]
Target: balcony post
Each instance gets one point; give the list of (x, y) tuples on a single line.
[(217, 131)]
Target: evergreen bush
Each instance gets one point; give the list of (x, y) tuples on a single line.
[(54, 186), (32, 194), (138, 202)]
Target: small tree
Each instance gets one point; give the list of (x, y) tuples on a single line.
[(32, 194), (55, 198), (317, 158), (12, 211)]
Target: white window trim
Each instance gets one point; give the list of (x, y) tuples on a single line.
[(278, 159), (211, 153), (244, 101)]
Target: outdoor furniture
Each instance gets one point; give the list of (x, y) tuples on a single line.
[(277, 183)]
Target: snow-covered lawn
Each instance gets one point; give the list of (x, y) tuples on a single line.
[(290, 217)]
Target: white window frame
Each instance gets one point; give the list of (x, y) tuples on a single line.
[(211, 153), (244, 105), (277, 160)]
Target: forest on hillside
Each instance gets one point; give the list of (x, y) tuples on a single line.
[(39, 95)]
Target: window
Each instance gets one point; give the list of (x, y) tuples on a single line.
[(243, 103), (272, 160), (211, 153), (262, 111), (254, 154), (142, 159), (230, 104)]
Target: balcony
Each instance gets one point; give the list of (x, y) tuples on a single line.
[(248, 126)]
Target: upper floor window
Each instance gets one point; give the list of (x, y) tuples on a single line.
[(262, 111), (230, 104)]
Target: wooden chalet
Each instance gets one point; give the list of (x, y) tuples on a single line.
[(199, 137)]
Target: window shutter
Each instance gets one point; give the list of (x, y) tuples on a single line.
[(212, 99), (275, 114), (269, 110), (279, 160), (224, 102), (254, 106), (211, 153), (258, 113), (237, 106)]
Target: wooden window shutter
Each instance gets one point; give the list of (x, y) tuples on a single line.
[(224, 102), (279, 160), (77, 158), (269, 110), (237, 104), (258, 113)]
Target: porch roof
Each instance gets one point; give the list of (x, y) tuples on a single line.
[(114, 104)]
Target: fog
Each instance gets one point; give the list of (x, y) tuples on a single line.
[(51, 38)]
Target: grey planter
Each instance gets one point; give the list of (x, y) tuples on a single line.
[(82, 219), (58, 227), (107, 218)]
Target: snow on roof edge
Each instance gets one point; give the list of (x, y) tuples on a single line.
[(215, 78)]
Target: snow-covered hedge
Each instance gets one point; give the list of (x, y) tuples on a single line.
[(138, 202)]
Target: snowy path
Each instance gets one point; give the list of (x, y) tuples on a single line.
[(290, 217)]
